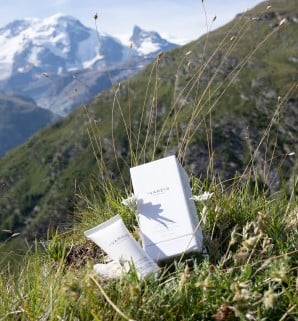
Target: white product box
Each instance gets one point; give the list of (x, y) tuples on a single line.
[(168, 218)]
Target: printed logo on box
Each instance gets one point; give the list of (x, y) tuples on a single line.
[(158, 191)]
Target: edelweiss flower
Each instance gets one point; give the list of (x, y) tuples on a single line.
[(130, 202), (203, 197)]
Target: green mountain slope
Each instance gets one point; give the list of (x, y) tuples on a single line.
[(20, 118), (225, 104)]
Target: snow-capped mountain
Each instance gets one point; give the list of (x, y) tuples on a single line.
[(148, 43), (56, 44), (42, 58)]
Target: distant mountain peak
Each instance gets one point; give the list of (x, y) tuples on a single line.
[(62, 20), (56, 43), (136, 30), (60, 16), (139, 34), (149, 42)]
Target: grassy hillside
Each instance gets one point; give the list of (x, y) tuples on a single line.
[(226, 105), (20, 118)]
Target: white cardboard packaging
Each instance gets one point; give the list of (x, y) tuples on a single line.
[(169, 224)]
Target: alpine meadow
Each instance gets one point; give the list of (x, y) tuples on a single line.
[(227, 106)]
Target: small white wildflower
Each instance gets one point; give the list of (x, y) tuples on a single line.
[(203, 197), (130, 202), (188, 53), (291, 154)]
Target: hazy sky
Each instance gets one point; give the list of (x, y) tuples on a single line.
[(178, 20)]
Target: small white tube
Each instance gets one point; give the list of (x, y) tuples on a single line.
[(114, 238)]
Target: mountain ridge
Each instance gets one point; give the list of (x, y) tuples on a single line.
[(61, 64), (40, 56), (20, 118)]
